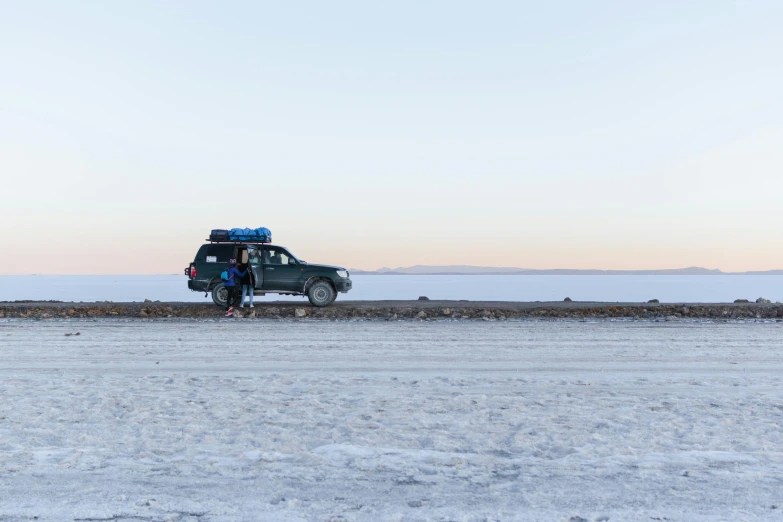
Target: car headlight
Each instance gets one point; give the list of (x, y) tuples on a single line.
[(343, 273)]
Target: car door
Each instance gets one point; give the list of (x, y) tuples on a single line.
[(281, 272), (254, 265)]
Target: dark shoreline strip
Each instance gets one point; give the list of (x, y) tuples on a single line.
[(398, 310)]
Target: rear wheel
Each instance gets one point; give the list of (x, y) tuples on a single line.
[(321, 293), (220, 294)]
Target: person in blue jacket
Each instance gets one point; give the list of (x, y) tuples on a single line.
[(234, 275)]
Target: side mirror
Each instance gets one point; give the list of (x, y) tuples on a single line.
[(291, 261)]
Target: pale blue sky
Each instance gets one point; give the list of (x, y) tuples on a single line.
[(564, 134)]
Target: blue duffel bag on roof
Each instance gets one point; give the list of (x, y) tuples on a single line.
[(264, 234), (250, 234)]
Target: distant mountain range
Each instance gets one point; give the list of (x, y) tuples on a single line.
[(491, 270)]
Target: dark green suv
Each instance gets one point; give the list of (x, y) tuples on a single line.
[(273, 269)]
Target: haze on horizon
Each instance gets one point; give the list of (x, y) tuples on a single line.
[(592, 135)]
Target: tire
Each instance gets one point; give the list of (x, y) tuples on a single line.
[(219, 296), (321, 294)]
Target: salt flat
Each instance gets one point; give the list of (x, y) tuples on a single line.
[(286, 421)]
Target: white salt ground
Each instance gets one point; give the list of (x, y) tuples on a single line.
[(288, 421)]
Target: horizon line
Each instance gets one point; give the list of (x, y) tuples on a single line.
[(489, 271)]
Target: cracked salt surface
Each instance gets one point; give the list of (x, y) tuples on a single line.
[(269, 420)]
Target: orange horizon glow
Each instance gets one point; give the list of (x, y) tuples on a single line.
[(172, 258)]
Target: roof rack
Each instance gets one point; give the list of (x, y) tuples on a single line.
[(256, 241)]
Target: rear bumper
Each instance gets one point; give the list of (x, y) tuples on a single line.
[(198, 286), (343, 285)]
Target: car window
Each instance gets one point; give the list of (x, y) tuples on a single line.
[(276, 256), (218, 253), (255, 257)]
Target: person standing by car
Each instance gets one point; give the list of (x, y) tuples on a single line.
[(247, 285), (231, 285)]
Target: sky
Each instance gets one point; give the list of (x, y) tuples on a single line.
[(562, 134)]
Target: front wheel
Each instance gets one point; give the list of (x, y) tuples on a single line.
[(321, 293)]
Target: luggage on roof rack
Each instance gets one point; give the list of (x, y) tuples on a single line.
[(260, 235), (218, 234)]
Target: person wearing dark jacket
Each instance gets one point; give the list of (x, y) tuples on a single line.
[(231, 285), (247, 286)]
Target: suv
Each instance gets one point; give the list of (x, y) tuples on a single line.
[(273, 269)]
